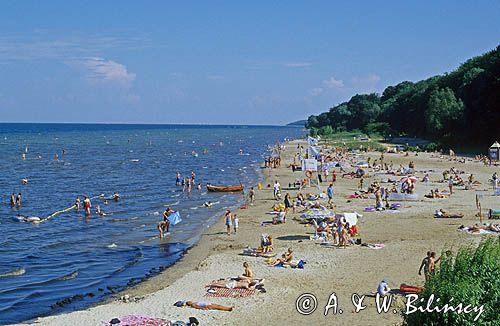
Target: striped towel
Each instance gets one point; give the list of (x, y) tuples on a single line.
[(229, 293)]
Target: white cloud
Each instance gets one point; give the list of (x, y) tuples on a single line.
[(100, 69), (333, 83)]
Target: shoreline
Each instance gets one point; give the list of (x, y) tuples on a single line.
[(407, 235)]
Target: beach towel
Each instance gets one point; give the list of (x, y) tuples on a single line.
[(138, 320), (174, 218), (481, 231), (229, 293)]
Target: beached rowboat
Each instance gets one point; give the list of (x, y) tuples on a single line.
[(213, 188)]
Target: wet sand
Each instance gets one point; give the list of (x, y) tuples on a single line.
[(407, 236)]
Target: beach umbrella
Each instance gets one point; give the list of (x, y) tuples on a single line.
[(409, 179), (315, 213)]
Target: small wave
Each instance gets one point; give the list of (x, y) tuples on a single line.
[(113, 245), (67, 277), (193, 208), (134, 160), (16, 272)]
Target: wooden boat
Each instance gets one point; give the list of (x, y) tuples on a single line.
[(213, 188)]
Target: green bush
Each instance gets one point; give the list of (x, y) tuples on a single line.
[(471, 276)]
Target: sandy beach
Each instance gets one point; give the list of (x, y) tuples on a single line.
[(407, 234)]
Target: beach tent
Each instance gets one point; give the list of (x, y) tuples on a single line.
[(495, 152)]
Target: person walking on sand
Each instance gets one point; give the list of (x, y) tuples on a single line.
[(227, 221), (252, 195), (236, 222), (450, 184), (87, 204), (334, 176), (329, 192), (276, 188), (425, 265), (18, 200)]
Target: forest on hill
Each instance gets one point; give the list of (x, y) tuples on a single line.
[(457, 108)]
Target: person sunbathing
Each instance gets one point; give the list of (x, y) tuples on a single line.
[(442, 213), (202, 305), (234, 284), (286, 258)]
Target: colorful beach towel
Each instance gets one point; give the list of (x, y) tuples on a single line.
[(229, 293), (138, 320)]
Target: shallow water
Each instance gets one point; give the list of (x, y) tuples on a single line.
[(70, 261)]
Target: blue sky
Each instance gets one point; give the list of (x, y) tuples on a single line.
[(223, 62)]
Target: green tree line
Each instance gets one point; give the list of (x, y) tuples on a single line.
[(460, 107)]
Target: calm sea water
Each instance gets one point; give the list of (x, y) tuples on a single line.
[(70, 261)]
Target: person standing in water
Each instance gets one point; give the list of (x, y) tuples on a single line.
[(178, 179), (189, 185), (13, 200), (77, 203), (18, 200), (193, 176), (164, 226), (87, 204)]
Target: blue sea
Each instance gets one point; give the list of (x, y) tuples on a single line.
[(69, 261)]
